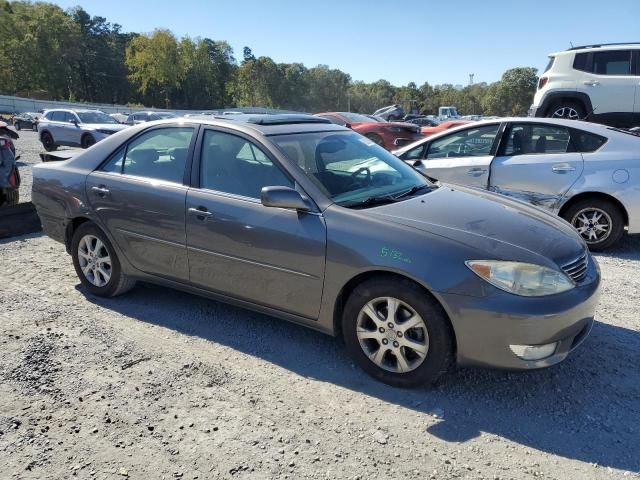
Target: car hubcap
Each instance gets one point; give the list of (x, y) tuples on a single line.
[(593, 224), (566, 112), (94, 260), (392, 335)]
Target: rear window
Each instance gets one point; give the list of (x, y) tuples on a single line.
[(586, 142), (550, 64)]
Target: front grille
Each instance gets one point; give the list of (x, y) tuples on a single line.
[(577, 269)]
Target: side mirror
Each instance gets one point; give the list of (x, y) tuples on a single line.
[(284, 197), (348, 125)]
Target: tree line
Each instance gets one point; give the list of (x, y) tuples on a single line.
[(49, 53)]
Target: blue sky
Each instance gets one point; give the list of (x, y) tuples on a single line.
[(440, 41)]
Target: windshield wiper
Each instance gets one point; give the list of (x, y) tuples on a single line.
[(415, 189), (372, 201)]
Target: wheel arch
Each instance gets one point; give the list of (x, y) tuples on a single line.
[(599, 195), (71, 228), (553, 98), (351, 285)]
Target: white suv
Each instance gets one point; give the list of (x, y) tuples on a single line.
[(598, 83)]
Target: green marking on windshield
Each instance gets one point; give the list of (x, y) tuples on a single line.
[(394, 254)]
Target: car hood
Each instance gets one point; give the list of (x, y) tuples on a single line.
[(500, 227), (114, 127)]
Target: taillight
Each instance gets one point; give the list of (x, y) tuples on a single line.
[(13, 178), (542, 82)]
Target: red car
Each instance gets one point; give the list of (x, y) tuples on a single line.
[(428, 131), (389, 135)]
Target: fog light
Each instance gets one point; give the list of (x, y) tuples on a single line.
[(534, 352)]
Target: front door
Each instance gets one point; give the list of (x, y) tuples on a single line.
[(536, 164), (463, 157), (139, 197), (240, 248)]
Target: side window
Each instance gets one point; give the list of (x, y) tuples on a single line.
[(415, 153), (613, 62), (533, 139), (114, 164), (586, 142), (57, 116), (159, 154), (232, 164), (471, 142), (70, 117)]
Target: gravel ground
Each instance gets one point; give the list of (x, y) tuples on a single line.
[(163, 384)]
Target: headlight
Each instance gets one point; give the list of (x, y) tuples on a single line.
[(523, 279)]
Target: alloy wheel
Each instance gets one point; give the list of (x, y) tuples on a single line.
[(569, 113), (593, 224), (392, 335), (94, 260)]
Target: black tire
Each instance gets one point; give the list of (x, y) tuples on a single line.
[(375, 138), (9, 197), (17, 126), (567, 109), (34, 127), (47, 142), (611, 214), (87, 141), (440, 343), (118, 282)]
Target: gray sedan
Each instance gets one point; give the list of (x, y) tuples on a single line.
[(313, 223)]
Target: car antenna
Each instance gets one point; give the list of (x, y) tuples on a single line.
[(571, 43)]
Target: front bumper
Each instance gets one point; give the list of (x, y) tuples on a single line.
[(485, 327)]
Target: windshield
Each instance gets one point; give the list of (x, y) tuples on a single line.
[(349, 168), (161, 116), (95, 117), (356, 117)]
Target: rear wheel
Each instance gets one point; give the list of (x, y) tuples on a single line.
[(9, 197), (17, 125), (34, 127), (599, 222), (47, 142), (567, 109), (397, 333), (97, 263), (87, 141)]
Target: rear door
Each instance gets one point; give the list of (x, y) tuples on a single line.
[(58, 126), (139, 196), (462, 157), (238, 247), (537, 163), (636, 108)]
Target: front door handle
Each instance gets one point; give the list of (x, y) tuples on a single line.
[(201, 213), (101, 190), (591, 83), (476, 172), (562, 168)]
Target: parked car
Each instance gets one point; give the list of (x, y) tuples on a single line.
[(422, 120), (586, 173), (302, 219), (28, 120), (120, 117), (389, 135), (75, 128), (9, 174), (599, 83), (142, 117), (441, 127), (390, 113)]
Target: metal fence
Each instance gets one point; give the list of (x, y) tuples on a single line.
[(9, 104)]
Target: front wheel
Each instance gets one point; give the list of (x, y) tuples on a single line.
[(88, 141), (97, 263), (17, 125), (397, 333), (375, 138), (599, 222)]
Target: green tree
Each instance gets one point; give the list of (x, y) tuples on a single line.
[(154, 64)]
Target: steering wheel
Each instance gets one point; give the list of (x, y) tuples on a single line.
[(367, 178)]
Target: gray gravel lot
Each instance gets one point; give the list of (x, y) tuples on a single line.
[(163, 384)]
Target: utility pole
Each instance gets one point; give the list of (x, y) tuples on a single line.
[(471, 75)]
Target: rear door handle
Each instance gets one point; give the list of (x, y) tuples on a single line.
[(101, 190), (201, 213), (561, 168), (591, 83), (476, 172)]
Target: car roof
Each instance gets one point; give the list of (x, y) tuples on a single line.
[(601, 46), (265, 124)]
